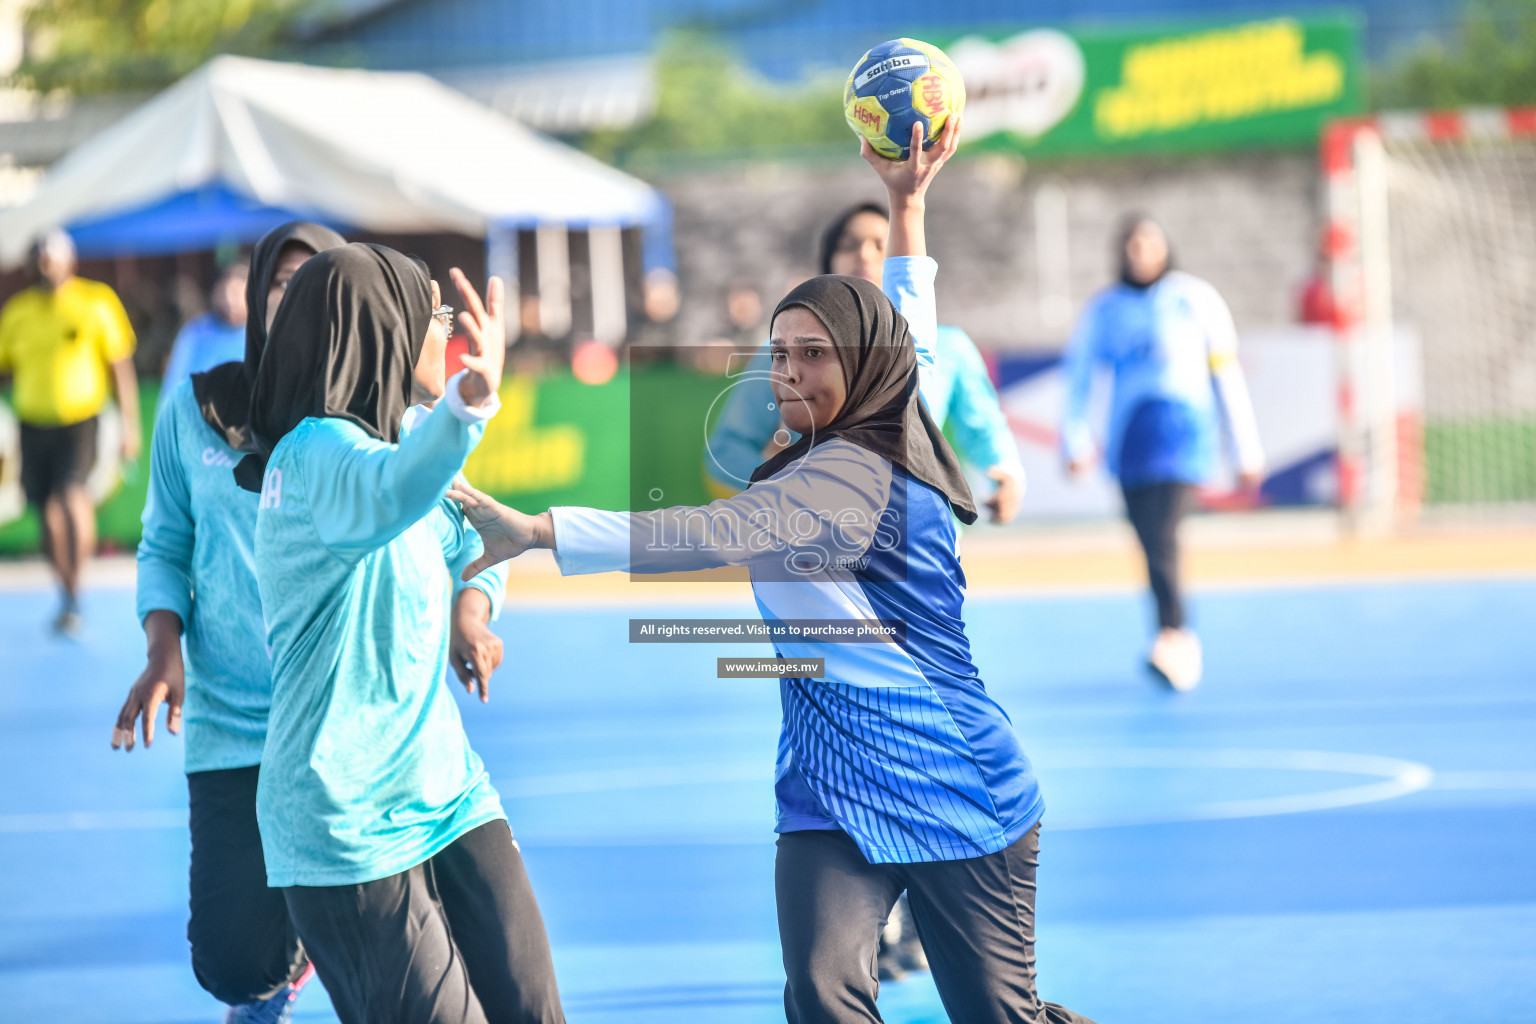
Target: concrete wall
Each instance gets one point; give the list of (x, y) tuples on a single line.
[(1247, 223)]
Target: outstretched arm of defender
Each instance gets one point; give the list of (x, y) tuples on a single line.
[(505, 532)]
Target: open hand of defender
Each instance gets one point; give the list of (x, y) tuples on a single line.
[(485, 323), (163, 681), (474, 651), (505, 532)]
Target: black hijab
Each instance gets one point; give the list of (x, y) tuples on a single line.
[(224, 392), (883, 412), (344, 345), (1128, 228)]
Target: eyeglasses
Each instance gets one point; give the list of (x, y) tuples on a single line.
[(444, 315)]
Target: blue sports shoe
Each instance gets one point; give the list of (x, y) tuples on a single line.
[(276, 1009)]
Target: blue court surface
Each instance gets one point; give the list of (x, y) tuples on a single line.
[(1339, 826)]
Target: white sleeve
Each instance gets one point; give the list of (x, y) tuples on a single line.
[(826, 510), (1228, 380), (909, 283)]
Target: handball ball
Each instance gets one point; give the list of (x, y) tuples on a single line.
[(897, 84)]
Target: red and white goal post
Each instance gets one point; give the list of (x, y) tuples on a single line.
[(1431, 242)]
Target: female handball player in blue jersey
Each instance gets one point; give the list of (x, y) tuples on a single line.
[(896, 770), (960, 398), (378, 821), (197, 577), (1171, 344)]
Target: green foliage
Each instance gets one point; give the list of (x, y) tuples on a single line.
[(709, 104), (1494, 63), (94, 46)]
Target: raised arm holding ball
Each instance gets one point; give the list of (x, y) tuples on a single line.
[(896, 770)]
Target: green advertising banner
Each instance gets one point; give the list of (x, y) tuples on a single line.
[(1185, 88)]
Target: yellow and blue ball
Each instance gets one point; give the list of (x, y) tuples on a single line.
[(897, 84)]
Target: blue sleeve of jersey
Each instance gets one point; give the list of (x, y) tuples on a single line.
[(746, 425), (1077, 369), (975, 413), (165, 550), (364, 492)]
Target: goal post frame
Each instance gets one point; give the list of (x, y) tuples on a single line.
[(1377, 482)]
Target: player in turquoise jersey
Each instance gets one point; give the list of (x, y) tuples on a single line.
[(378, 821), (896, 770), (197, 578), (957, 387), (1169, 341)]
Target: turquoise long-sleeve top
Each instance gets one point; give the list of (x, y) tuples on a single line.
[(957, 388), (367, 771), (197, 559)]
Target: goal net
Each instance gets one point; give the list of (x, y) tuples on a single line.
[(1441, 209)]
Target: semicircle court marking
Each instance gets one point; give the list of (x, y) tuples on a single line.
[(1396, 777)]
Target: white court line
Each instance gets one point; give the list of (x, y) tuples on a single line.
[(91, 821), (1485, 780), (1397, 778)]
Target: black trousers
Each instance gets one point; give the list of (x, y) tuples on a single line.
[(976, 918), (54, 459), (244, 947), (1156, 510), (457, 939)]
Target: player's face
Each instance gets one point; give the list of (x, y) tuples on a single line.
[(860, 251), (808, 383), (290, 259), (431, 377), (1146, 252)]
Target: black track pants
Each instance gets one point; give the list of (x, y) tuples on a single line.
[(457, 939), (1156, 511), (244, 947), (976, 918)]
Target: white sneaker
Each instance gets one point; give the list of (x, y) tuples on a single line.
[(1176, 659)]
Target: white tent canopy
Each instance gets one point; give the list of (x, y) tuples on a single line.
[(384, 152)]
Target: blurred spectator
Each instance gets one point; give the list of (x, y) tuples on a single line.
[(1317, 305), (63, 338), (744, 309), (1169, 340), (661, 298), (744, 332), (218, 336)]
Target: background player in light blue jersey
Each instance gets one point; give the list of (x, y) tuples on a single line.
[(1169, 340), (214, 338), (896, 770), (957, 387), (197, 578), (378, 821)]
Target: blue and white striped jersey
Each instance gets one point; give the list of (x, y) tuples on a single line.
[(898, 742)]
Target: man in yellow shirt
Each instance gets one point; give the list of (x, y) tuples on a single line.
[(64, 339)]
